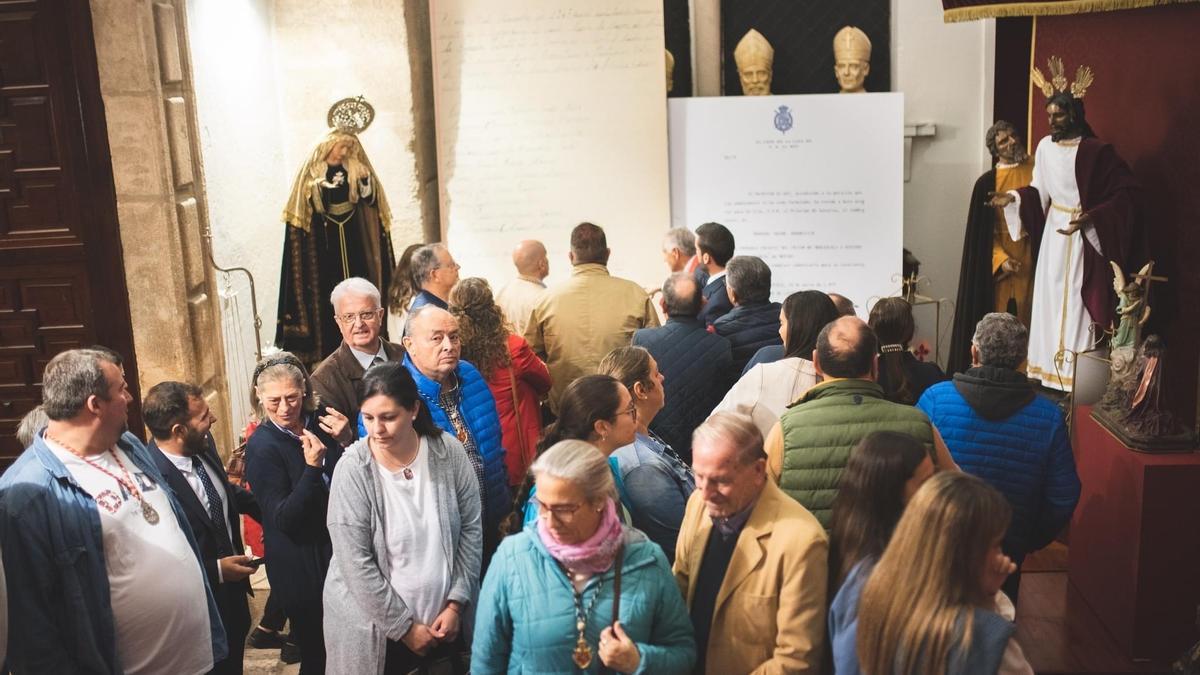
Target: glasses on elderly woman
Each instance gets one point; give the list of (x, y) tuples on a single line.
[(563, 513)]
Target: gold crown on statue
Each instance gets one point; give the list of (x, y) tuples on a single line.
[(1058, 79), (351, 115)]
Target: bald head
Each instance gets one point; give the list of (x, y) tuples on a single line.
[(681, 295), (843, 304), (432, 341), (529, 257), (846, 348)]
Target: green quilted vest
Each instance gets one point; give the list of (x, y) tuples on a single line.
[(822, 427)]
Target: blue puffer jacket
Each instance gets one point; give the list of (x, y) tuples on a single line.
[(525, 622), (997, 428), (749, 328), (479, 410)]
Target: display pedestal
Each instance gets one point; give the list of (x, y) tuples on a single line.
[(1135, 541)]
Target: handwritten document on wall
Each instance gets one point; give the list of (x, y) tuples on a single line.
[(549, 113), (811, 184)]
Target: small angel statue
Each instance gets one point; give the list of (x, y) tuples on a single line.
[(1131, 308)]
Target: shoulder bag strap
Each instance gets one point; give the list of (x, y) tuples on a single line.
[(616, 615), (512, 378)]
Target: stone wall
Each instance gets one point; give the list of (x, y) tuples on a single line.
[(145, 80), (266, 73)]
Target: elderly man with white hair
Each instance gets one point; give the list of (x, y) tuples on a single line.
[(999, 428), (358, 310)]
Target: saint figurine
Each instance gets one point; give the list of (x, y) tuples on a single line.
[(337, 226), (1078, 212), (997, 272), (851, 59), (754, 57), (1147, 416), (1132, 310)]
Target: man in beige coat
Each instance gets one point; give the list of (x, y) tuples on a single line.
[(517, 297), (576, 323), (750, 561)]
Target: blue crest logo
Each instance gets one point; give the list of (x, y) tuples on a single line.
[(783, 119)]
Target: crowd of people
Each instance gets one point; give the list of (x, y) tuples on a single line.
[(577, 478)]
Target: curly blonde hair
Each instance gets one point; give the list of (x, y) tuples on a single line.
[(481, 325)]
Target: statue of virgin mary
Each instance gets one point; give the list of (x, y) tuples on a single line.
[(337, 226)]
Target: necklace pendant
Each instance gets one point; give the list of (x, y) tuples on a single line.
[(149, 513), (408, 474), (583, 654)]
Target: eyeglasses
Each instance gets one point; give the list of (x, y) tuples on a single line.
[(560, 512), (365, 317), (631, 411)]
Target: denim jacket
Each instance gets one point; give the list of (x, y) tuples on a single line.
[(658, 485), (53, 552)]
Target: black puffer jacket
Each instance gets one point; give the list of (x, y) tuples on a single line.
[(748, 329), (698, 369)]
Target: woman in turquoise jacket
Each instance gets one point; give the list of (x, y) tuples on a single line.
[(547, 603)]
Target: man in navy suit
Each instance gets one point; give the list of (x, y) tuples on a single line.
[(714, 248), (179, 420)]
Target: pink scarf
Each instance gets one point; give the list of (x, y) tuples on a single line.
[(592, 556)]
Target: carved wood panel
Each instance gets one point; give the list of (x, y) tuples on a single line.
[(61, 275)]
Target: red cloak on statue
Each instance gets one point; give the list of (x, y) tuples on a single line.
[(1107, 193)]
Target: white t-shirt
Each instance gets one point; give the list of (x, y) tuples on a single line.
[(157, 592), (412, 526)]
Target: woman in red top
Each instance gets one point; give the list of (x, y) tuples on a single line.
[(503, 358)]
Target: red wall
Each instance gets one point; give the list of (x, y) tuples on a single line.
[(1146, 101)]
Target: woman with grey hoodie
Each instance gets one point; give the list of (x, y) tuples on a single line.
[(404, 518)]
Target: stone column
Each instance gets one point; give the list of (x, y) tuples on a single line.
[(706, 47), (145, 80)]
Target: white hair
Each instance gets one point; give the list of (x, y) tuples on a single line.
[(355, 286), (680, 239), (30, 425), (578, 462), (736, 429)]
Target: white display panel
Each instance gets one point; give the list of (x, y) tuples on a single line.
[(811, 184)]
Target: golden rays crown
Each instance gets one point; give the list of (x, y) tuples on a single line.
[(1058, 79)]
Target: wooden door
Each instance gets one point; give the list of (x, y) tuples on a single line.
[(62, 279)]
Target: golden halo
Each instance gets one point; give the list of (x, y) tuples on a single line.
[(351, 115)]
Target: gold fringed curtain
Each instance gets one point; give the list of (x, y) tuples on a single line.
[(970, 10)]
